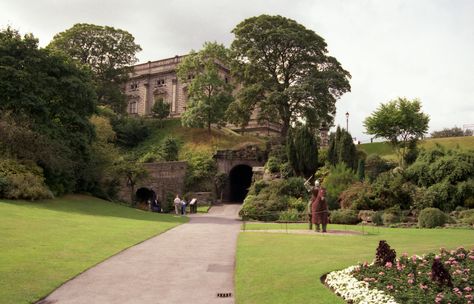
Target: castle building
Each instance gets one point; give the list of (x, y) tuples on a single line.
[(157, 80)]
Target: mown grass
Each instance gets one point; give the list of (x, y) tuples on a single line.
[(193, 139), (286, 268), (45, 243), (384, 149)]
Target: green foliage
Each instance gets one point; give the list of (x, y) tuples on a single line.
[(161, 109), (391, 215), (360, 196), (107, 51), (302, 151), (293, 186), (170, 149), (130, 131), (266, 206), (399, 121), (19, 181), (344, 216), (258, 186), (392, 189), (201, 171), (445, 176), (291, 215), (431, 218), (47, 92), (377, 218), (338, 180), (342, 149), (374, 165), (451, 132), (297, 204), (209, 92), (284, 68), (273, 164)]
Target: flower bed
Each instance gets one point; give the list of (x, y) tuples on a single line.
[(444, 278)]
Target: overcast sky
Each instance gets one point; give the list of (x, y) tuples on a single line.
[(413, 48)]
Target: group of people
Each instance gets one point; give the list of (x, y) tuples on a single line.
[(318, 212), (180, 205)]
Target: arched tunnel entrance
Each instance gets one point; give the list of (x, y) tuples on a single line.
[(144, 195), (240, 179)]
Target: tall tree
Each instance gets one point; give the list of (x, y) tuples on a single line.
[(342, 149), (109, 52), (161, 110), (284, 66), (209, 91), (48, 92), (302, 151), (399, 121)]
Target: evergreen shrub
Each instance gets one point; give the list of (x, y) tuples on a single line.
[(431, 218)]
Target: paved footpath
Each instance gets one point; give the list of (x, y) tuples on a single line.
[(191, 263)]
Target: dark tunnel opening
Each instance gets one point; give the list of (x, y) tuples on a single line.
[(143, 195), (240, 179)]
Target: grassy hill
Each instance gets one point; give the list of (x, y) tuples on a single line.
[(384, 149), (46, 243), (194, 139)]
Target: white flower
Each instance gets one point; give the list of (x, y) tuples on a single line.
[(351, 289)]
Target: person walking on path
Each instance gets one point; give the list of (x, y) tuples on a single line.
[(177, 205), (320, 212), (183, 207)]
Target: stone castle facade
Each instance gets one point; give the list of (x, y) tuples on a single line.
[(156, 80)]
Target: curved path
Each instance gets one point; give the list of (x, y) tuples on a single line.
[(191, 263)]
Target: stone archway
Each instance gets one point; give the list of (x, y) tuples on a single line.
[(240, 179)]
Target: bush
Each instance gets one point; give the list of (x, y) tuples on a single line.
[(377, 218), (294, 186), (338, 180), (374, 165), (257, 187), (390, 218), (291, 215), (273, 165), (20, 181), (130, 131), (170, 149), (344, 216), (366, 215), (431, 217), (392, 189), (359, 196), (297, 204), (264, 207), (201, 171), (168, 203)]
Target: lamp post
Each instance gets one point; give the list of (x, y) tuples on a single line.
[(347, 121)]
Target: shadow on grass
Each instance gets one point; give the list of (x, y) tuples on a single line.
[(87, 205)]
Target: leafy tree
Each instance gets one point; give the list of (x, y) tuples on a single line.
[(399, 121), (161, 110), (302, 151), (109, 52), (361, 170), (284, 67), (48, 93), (220, 181), (130, 130), (342, 149), (339, 179), (209, 91)]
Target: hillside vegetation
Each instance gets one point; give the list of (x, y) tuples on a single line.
[(384, 149), (193, 139)]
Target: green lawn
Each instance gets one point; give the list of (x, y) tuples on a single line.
[(43, 244), (286, 268), (384, 149)]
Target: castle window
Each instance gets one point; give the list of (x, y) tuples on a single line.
[(134, 86), (160, 82), (133, 107)]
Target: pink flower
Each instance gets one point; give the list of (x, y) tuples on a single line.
[(410, 281), (381, 273), (414, 258), (467, 289), (471, 257), (422, 286), (389, 287), (388, 265)]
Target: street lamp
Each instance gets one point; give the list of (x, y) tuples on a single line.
[(347, 121)]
